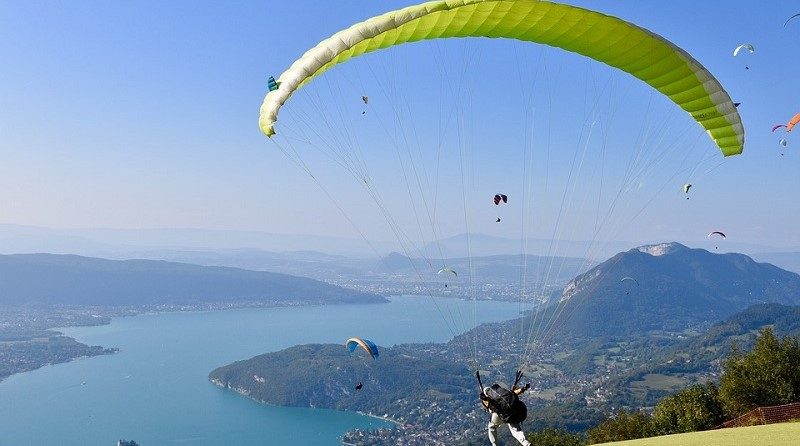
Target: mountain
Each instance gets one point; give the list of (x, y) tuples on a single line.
[(481, 245), (76, 280), (677, 288), (789, 261), (129, 243), (497, 269), (698, 358)]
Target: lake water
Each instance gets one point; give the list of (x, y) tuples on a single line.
[(155, 390)]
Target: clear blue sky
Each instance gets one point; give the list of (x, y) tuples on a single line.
[(143, 114)]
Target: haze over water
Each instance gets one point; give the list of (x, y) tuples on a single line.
[(155, 390)]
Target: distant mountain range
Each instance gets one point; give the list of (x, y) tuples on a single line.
[(789, 261), (75, 280), (495, 268), (674, 288), (162, 243), (133, 243)]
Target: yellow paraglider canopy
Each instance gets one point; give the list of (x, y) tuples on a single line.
[(610, 40)]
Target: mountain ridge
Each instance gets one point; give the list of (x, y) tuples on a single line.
[(79, 280)]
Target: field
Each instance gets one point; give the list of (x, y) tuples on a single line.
[(784, 434)]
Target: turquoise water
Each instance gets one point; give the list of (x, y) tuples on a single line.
[(155, 390)]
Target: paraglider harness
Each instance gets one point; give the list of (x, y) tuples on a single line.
[(504, 402)]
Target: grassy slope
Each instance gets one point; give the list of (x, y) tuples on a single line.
[(784, 434)]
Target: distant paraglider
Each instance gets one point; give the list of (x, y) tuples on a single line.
[(718, 234), (447, 270), (631, 279), (750, 49), (790, 19), (365, 99), (368, 346), (499, 198), (686, 188)]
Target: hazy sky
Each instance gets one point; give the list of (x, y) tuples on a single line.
[(144, 114)]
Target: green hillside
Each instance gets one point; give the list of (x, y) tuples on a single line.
[(784, 434)]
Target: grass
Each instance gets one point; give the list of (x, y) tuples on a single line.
[(783, 434)]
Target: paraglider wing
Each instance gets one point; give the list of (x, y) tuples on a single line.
[(717, 233), (783, 142), (447, 270), (500, 197), (789, 19), (776, 127), (631, 279), (746, 46), (686, 188), (792, 122), (368, 346), (365, 99), (610, 40)]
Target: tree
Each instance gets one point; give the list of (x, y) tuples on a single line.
[(693, 409), (555, 437), (624, 426), (766, 376)]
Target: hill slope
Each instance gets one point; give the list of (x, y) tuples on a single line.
[(75, 280), (784, 434), (678, 287)]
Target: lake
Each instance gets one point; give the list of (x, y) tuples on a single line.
[(155, 390)]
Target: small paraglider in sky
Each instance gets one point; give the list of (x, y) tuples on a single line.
[(783, 143), (686, 188), (750, 49), (368, 346), (365, 99), (631, 279), (717, 234), (777, 126), (790, 19), (499, 198), (272, 84), (447, 270)]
